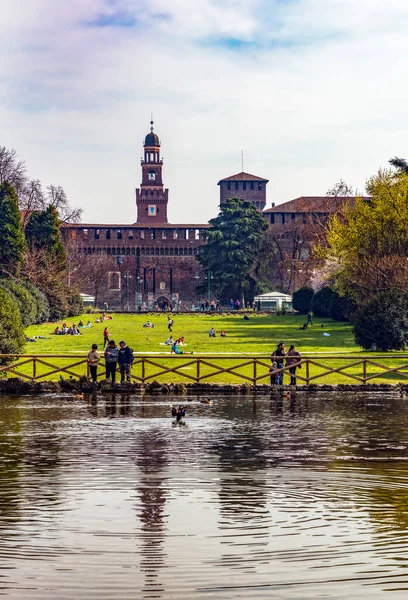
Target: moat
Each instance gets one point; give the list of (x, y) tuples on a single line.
[(297, 496)]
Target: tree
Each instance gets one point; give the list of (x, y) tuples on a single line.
[(400, 164), (11, 328), (302, 299), (12, 169), (43, 232), (12, 245), (369, 241), (233, 243), (341, 308), (321, 302), (22, 298), (90, 272), (383, 320)]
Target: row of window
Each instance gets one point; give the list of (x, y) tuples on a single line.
[(152, 157), (244, 185), (142, 251), (283, 218), (148, 234)]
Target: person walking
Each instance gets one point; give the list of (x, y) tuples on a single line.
[(170, 323), (105, 337), (93, 361), (277, 356), (309, 318), (293, 357), (111, 360), (125, 360)]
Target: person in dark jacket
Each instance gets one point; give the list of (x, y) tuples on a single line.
[(125, 361), (277, 356), (111, 360)]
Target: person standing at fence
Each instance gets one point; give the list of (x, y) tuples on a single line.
[(125, 360), (277, 356), (293, 357), (111, 360), (93, 361)]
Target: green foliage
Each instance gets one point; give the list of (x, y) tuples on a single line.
[(321, 302), (12, 241), (23, 299), (383, 320), (368, 242), (75, 305), (302, 300), (341, 308), (43, 232), (233, 243), (58, 304), (42, 313), (11, 327)]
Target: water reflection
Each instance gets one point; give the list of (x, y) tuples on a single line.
[(282, 496)]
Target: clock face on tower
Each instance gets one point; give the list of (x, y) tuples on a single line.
[(152, 176), (151, 211)]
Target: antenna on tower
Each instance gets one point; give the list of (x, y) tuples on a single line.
[(151, 120), (242, 160)]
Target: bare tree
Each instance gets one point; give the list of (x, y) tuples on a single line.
[(341, 190), (56, 197), (12, 169), (89, 273)]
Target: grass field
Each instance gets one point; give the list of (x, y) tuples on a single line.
[(258, 336)]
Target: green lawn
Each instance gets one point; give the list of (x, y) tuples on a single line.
[(257, 336)]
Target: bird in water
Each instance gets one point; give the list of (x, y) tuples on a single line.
[(179, 412), (207, 401)]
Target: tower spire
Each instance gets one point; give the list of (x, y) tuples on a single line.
[(151, 121)]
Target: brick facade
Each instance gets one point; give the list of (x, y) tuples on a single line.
[(246, 186), (150, 260)]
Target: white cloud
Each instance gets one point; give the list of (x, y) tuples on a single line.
[(319, 96)]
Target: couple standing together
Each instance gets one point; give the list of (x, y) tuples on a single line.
[(277, 358)]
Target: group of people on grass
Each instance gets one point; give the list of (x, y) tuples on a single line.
[(280, 358), (114, 357), (72, 329), (213, 333)]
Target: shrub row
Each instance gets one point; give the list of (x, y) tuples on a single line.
[(324, 303)]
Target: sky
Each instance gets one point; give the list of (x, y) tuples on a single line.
[(313, 91)]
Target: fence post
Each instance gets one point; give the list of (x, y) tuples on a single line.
[(143, 369), (34, 368), (198, 371), (365, 371), (254, 379), (307, 371)]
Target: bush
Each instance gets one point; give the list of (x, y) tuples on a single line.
[(383, 321), (11, 327), (58, 305), (302, 300), (76, 305), (42, 306), (341, 308), (321, 302), (24, 300)]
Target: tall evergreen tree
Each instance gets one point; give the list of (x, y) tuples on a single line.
[(233, 242), (12, 241), (43, 233)]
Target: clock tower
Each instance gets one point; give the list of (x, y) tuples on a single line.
[(151, 197)]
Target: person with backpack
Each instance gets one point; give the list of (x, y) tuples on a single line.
[(125, 360), (170, 323), (111, 360)]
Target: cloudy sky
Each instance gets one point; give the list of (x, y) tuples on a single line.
[(311, 90)]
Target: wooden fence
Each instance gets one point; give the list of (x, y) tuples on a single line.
[(391, 368)]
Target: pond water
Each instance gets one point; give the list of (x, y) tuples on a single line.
[(296, 497)]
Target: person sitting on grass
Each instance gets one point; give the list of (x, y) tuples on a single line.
[(176, 350), (180, 341), (89, 324), (212, 333), (149, 325), (57, 331), (81, 323), (169, 341), (223, 333)]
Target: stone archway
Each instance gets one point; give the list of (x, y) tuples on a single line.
[(163, 302)]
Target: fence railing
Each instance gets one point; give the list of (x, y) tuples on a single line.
[(318, 368)]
